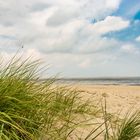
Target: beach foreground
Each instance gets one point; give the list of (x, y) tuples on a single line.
[(119, 97)]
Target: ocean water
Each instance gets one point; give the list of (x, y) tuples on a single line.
[(135, 81)]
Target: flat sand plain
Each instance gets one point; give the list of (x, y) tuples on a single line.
[(118, 97)]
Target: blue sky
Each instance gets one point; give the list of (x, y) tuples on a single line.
[(78, 38)]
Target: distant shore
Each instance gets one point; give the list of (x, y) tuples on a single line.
[(132, 81)]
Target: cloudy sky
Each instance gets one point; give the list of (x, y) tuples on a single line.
[(78, 38)]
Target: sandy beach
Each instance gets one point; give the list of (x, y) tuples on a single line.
[(118, 97)]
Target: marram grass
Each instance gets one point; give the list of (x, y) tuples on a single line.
[(129, 128), (33, 110), (125, 127)]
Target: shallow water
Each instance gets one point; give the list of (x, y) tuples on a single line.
[(101, 81)]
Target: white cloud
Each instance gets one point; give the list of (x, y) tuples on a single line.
[(138, 39), (110, 23), (130, 48), (114, 4), (32, 53), (62, 16), (62, 34), (60, 27), (86, 63), (97, 9)]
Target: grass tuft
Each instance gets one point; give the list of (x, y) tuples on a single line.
[(129, 129), (31, 109)]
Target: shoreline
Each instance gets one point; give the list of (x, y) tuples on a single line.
[(95, 83)]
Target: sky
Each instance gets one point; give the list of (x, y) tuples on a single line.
[(76, 38)]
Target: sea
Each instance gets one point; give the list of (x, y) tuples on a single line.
[(131, 81)]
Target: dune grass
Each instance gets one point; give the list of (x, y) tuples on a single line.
[(129, 128), (116, 127), (33, 110), (121, 127)]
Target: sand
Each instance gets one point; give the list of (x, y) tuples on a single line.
[(118, 97)]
